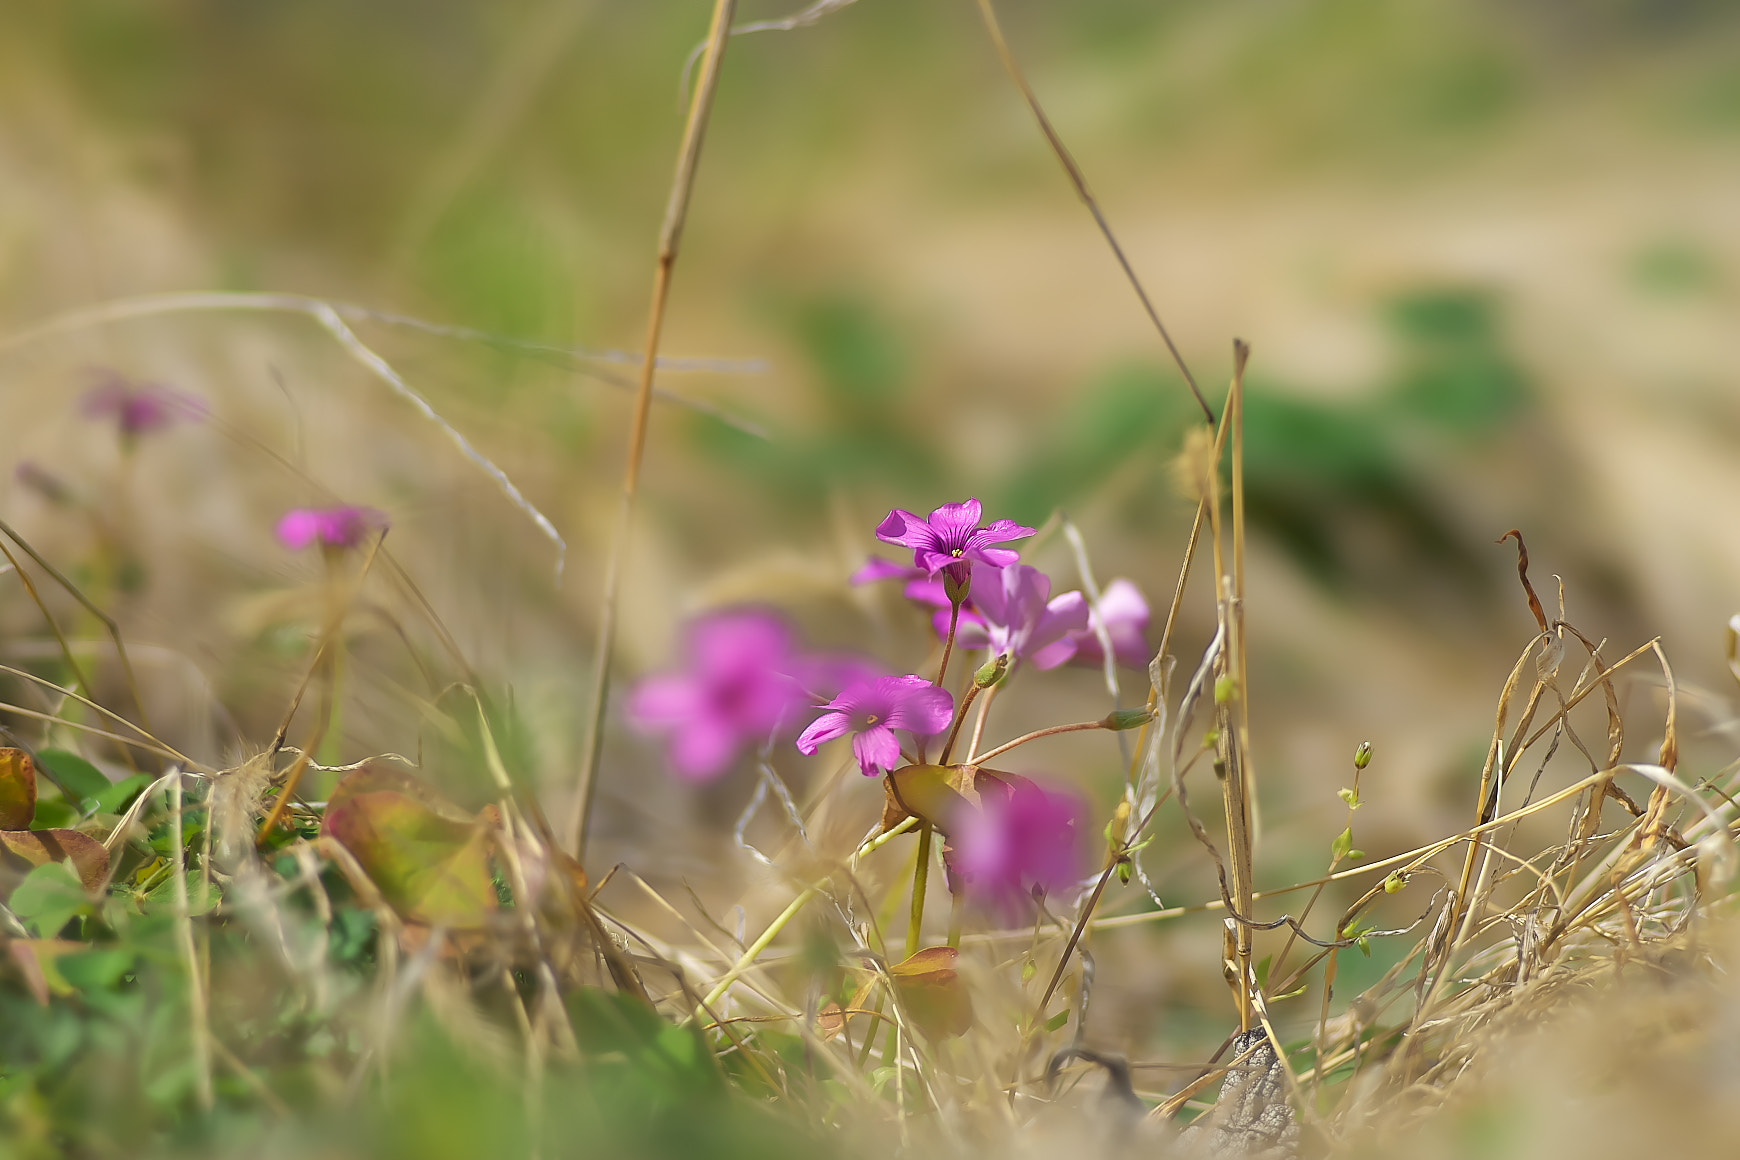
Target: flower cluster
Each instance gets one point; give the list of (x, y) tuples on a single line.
[(746, 683)]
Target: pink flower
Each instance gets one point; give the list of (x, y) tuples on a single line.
[(1126, 618), (1020, 841), (951, 538), (738, 691), (344, 526), (138, 408), (1016, 616), (872, 711)]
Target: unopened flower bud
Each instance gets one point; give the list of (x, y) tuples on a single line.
[(991, 672), (1362, 755), (1225, 689), (1119, 719), (957, 583)]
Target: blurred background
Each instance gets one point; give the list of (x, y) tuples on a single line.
[(1487, 255)]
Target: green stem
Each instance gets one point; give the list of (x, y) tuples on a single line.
[(790, 912), (920, 880)]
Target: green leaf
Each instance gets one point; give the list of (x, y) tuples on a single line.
[(17, 789), (1342, 845), (202, 897), (50, 897), (54, 813), (117, 797), (72, 772), (1057, 1020), (428, 861), (1263, 967), (95, 970)]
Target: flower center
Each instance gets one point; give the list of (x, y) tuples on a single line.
[(871, 719), (957, 553)]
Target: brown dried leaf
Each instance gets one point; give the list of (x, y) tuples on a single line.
[(932, 992), (40, 847)]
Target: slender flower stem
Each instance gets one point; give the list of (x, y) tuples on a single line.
[(960, 718), (949, 644), (957, 913), (920, 880), (670, 239), (1077, 727)]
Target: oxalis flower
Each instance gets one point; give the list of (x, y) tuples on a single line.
[(872, 710), (951, 540), (343, 526), (1018, 842), (737, 691), (1017, 615)]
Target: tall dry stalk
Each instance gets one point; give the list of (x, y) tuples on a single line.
[(670, 239)]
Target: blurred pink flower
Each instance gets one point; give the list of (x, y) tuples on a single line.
[(344, 526), (1016, 616), (739, 689), (138, 408), (1020, 840), (872, 711), (951, 538), (1126, 618), (921, 588)]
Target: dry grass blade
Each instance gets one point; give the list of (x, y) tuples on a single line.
[(1078, 179)]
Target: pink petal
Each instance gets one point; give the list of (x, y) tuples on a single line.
[(902, 527), (704, 747), (959, 518), (823, 729), (298, 528), (876, 749), (662, 701), (920, 708)]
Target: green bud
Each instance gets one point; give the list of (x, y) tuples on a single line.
[(1211, 739), (956, 587), (991, 672), (1362, 755), (1225, 689), (1124, 873), (1394, 883), (1350, 796), (1119, 719)]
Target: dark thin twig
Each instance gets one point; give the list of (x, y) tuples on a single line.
[(1079, 180)]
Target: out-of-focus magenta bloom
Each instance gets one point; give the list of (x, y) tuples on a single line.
[(872, 710), (1017, 615), (139, 408), (1126, 617), (739, 689), (921, 588), (952, 538), (1018, 841), (344, 526)]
